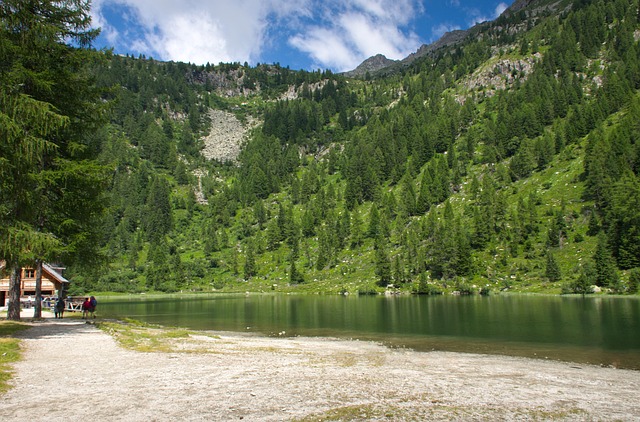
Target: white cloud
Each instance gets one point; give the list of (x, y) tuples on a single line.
[(335, 33), (475, 16), (191, 30), (355, 30), (443, 28), (500, 9), (326, 48)]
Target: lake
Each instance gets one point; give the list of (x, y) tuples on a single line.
[(597, 330)]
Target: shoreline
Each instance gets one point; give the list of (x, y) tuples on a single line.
[(576, 355), (222, 376)]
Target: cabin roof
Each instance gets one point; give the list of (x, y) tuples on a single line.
[(54, 273)]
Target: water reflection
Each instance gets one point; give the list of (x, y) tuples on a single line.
[(600, 330)]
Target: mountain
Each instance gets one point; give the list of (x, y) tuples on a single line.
[(372, 64), (504, 157), (449, 39), (379, 63)]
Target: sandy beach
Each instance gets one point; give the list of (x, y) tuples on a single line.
[(71, 370)]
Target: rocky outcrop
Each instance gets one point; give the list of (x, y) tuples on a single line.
[(500, 74), (294, 92), (533, 7)]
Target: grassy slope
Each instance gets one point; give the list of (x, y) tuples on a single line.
[(9, 351)]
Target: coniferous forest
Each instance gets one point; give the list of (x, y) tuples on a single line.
[(509, 161)]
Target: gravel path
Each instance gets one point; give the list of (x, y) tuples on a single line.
[(72, 371)]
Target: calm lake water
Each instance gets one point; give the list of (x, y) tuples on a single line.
[(597, 330)]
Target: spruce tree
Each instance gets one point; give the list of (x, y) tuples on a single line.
[(250, 268), (50, 185), (158, 220), (382, 262), (634, 281), (605, 269), (552, 271), (585, 280)]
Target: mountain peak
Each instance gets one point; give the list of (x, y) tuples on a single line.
[(372, 64)]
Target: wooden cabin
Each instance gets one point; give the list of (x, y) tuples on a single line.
[(52, 282)]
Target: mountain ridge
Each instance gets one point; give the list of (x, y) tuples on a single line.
[(374, 64)]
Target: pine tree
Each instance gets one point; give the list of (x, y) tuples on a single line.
[(552, 271), (383, 263), (605, 269), (623, 218), (398, 270), (357, 235), (582, 284), (159, 214), (158, 267), (295, 276), (634, 281), (250, 268), (374, 222), (324, 249), (408, 195), (48, 106), (557, 230)]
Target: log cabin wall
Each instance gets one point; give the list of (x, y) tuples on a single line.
[(52, 282)]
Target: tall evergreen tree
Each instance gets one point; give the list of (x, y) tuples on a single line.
[(158, 220), (48, 106), (605, 269), (250, 268), (552, 270), (383, 263)]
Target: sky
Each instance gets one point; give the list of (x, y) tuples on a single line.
[(302, 34)]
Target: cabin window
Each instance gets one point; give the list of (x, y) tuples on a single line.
[(29, 273)]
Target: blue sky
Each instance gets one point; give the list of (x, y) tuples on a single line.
[(301, 34)]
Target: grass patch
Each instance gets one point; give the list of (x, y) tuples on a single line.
[(9, 351), (348, 413), (144, 337)]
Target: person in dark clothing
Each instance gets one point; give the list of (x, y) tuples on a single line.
[(58, 309), (94, 303)]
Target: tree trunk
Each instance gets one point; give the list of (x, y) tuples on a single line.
[(13, 312), (37, 308)]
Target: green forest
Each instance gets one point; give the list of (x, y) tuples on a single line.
[(507, 162)]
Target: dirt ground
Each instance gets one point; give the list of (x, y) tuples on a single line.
[(73, 371)]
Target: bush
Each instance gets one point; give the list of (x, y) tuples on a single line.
[(429, 289), (424, 288), (463, 287), (634, 281), (577, 286), (367, 290)]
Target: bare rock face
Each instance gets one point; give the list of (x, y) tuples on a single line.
[(372, 64), (448, 39), (501, 75), (226, 137)]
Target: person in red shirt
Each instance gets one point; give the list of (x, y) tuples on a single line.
[(86, 308)]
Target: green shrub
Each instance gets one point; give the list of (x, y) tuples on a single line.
[(424, 288), (367, 290), (634, 281), (463, 287)]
